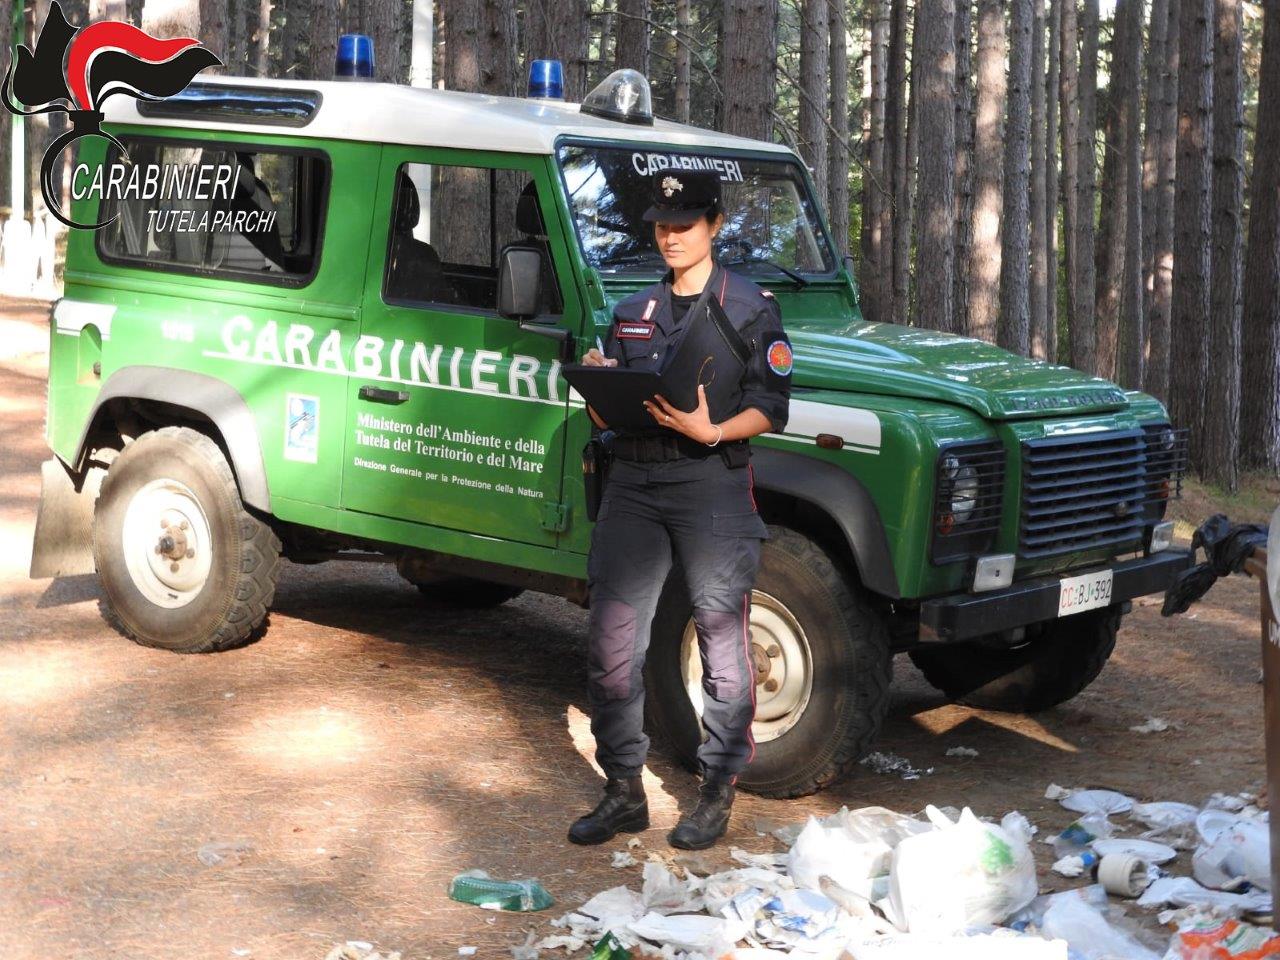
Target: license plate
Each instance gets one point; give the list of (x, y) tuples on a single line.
[(1085, 592)]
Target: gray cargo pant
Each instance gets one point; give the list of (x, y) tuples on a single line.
[(705, 512)]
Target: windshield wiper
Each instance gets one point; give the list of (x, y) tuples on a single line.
[(632, 258), (799, 281)]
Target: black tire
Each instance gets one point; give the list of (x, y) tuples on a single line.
[(1059, 659), (848, 647), (467, 592), (229, 608)]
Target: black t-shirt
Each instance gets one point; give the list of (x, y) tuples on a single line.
[(680, 306)]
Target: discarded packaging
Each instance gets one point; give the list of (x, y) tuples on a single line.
[(1241, 849), (608, 948), (1098, 801), (479, 889), (223, 853), (1216, 939), (1090, 935), (960, 875), (1185, 892), (1147, 850), (1081, 834), (1124, 875)]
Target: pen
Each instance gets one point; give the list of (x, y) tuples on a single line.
[(599, 343)]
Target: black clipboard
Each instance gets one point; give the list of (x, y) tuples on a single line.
[(616, 393)]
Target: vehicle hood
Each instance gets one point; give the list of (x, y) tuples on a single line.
[(889, 359)]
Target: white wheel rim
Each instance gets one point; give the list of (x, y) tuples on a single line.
[(168, 549), (780, 659)]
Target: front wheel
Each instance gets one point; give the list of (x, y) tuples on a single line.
[(184, 566), (821, 656), (1058, 659)]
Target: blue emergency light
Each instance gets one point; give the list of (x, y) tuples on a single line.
[(355, 57), (546, 80)]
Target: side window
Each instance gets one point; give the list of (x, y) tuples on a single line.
[(449, 226), (217, 209)]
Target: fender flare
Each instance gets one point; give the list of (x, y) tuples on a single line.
[(840, 494), (208, 396)]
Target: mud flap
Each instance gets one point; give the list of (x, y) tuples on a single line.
[(63, 545)]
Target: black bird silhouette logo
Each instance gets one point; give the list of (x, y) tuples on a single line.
[(73, 72)]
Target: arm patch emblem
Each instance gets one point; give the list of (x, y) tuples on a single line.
[(778, 355)]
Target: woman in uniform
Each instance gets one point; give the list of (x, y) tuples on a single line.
[(680, 490)]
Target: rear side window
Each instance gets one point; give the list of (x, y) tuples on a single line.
[(215, 209)]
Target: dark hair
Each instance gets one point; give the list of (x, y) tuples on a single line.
[(713, 211)]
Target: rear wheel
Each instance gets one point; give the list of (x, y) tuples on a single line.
[(821, 655), (184, 565), (1058, 660)]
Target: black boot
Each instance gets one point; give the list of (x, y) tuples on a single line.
[(709, 820), (623, 809)]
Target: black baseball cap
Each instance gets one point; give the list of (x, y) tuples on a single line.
[(681, 196)]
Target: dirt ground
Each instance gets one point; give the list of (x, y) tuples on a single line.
[(372, 745)]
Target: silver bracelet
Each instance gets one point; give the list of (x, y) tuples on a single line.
[(719, 438)]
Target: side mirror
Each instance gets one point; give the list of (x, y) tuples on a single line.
[(519, 282)]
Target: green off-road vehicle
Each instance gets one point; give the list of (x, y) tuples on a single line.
[(328, 319)]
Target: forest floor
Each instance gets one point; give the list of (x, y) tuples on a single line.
[(372, 746)]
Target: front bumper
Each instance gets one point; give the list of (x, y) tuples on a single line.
[(968, 615)]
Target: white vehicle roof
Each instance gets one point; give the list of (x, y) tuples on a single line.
[(392, 113)]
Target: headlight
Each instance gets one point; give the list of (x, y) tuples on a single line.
[(962, 489)]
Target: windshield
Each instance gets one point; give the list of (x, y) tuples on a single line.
[(770, 220)]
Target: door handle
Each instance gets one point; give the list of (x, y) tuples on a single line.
[(380, 395)]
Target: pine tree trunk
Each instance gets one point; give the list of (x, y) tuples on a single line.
[(558, 30), (748, 66), (1160, 310), (1128, 80), (1153, 99), (838, 149), (1014, 327), (905, 201), (262, 39), (814, 92), (1039, 293), (213, 32), (386, 26), (964, 163), (324, 39), (1222, 411), (683, 57), (935, 87), (1109, 240), (1069, 120), (633, 33), (1083, 332), (1188, 365), (1260, 416), (1052, 78), (877, 181), (988, 164), (895, 158)]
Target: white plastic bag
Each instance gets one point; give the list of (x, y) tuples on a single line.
[(1242, 849), (834, 852), (961, 875), (1087, 931)]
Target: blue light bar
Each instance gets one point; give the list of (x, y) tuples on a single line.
[(546, 80), (355, 57)]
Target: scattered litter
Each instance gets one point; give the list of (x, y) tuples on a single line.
[(891, 763), (1185, 892), (476, 887), (1239, 849), (1211, 938), (623, 858), (1070, 917), (223, 853), (1124, 875), (1018, 825), (527, 950), (1075, 864), (561, 942), (466, 951), (1169, 822), (959, 875), (608, 948), (1147, 850), (1081, 834), (962, 752), (359, 950), (1055, 792), (664, 892), (240, 951), (1232, 802), (770, 861), (697, 861), (996, 945), (1152, 725), (712, 936), (633, 843), (1097, 801)]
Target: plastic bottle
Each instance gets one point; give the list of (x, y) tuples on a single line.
[(478, 888), (1082, 832)]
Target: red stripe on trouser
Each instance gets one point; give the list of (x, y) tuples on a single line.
[(751, 487), (751, 685)]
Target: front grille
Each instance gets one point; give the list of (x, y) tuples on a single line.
[(1083, 491), (980, 474)]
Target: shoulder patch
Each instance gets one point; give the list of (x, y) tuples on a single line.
[(778, 355)]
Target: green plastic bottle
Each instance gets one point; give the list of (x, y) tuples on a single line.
[(478, 888)]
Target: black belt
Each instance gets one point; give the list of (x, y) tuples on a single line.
[(649, 448)]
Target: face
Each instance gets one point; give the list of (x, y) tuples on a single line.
[(683, 245)]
